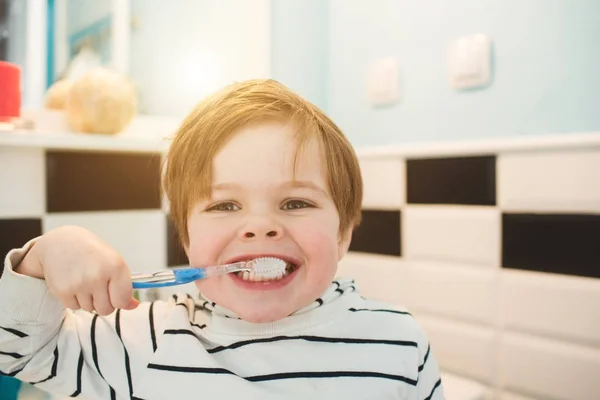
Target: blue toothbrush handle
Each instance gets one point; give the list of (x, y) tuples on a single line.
[(171, 277)]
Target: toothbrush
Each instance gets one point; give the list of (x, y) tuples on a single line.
[(267, 267)]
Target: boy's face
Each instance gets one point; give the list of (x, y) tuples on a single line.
[(257, 209)]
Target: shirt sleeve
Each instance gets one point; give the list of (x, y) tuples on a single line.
[(429, 381), (71, 352)]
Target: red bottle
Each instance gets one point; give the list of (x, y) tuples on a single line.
[(10, 91)]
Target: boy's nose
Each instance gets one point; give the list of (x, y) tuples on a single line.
[(272, 233), (261, 229)]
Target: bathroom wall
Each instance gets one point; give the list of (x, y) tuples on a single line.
[(299, 54), (83, 13), (107, 184), (195, 48), (544, 82), (115, 194), (183, 50), (545, 77), (544, 74), (495, 247)]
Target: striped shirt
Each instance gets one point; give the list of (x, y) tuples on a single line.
[(341, 346)]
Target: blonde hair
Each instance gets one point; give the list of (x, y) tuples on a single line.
[(187, 171)]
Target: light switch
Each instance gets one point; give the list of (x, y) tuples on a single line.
[(469, 62), (383, 81)]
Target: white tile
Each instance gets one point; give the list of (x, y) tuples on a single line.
[(553, 305), (548, 368), (514, 396), (380, 278), (384, 182), (461, 348), (22, 182), (452, 290), (460, 388), (466, 234), (138, 236), (557, 181)]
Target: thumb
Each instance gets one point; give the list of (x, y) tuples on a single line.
[(133, 303)]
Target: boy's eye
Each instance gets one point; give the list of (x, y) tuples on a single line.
[(226, 206), (296, 205)]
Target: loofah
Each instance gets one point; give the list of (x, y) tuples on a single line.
[(101, 101), (56, 96)]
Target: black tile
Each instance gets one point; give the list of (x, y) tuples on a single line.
[(458, 180), (95, 181), (175, 253), (15, 233), (557, 243), (379, 233)]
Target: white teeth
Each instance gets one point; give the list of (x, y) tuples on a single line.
[(251, 276)]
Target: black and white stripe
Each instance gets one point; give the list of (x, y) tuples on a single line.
[(284, 375), (13, 355), (315, 339), (78, 379), (14, 332), (152, 328), (54, 368), (113, 395), (380, 310), (174, 352), (127, 363)]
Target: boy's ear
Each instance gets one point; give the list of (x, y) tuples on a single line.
[(344, 242)]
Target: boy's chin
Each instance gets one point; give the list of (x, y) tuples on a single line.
[(261, 316)]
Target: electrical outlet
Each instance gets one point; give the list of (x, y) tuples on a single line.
[(469, 62)]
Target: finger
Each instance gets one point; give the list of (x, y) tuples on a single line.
[(66, 299), (85, 301), (120, 290), (102, 303), (70, 302)]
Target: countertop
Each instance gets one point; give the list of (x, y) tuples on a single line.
[(51, 131)]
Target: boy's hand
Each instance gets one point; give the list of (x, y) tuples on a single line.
[(80, 270)]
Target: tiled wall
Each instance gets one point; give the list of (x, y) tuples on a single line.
[(498, 256), (114, 194)]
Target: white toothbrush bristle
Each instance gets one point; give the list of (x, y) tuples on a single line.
[(268, 267)]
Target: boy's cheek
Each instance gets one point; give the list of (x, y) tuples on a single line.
[(317, 233), (319, 245), (344, 240), (204, 249)]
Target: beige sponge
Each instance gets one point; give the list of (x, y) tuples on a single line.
[(56, 96), (101, 101)]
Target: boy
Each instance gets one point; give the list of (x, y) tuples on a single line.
[(253, 171)]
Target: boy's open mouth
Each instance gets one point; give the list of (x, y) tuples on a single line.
[(252, 277)]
